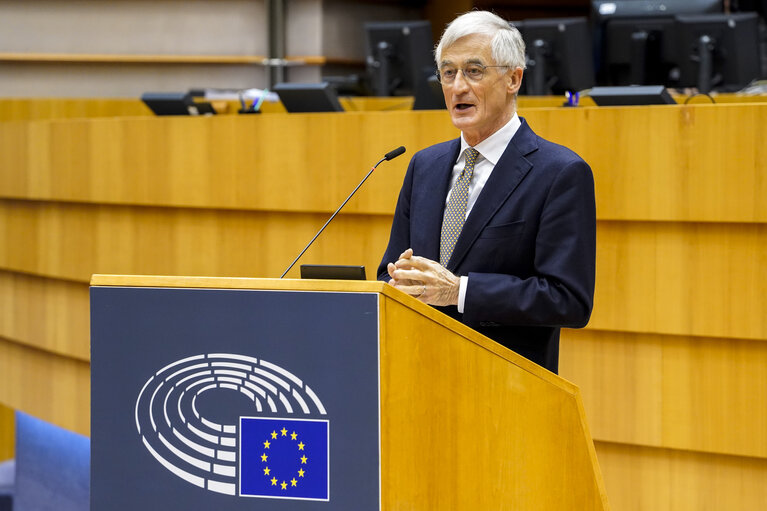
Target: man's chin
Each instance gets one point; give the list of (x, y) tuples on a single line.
[(462, 119)]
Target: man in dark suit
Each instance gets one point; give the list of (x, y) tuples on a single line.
[(497, 228)]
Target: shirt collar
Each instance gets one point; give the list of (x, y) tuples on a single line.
[(493, 146)]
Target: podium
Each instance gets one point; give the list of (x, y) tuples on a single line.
[(232, 393)]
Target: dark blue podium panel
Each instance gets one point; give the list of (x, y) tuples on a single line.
[(208, 399)]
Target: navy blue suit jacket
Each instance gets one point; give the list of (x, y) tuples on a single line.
[(528, 245)]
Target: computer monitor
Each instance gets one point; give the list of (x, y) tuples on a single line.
[(308, 97), (633, 39), (559, 55), (626, 95), (175, 103), (398, 55), (718, 51), (428, 94), (639, 51)]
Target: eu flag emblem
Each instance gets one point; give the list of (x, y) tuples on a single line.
[(284, 458)]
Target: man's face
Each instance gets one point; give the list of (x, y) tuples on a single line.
[(478, 108)]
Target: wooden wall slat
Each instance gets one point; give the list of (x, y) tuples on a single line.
[(48, 314), (74, 241), (48, 386), (704, 279), (687, 393), (24, 109), (643, 478)]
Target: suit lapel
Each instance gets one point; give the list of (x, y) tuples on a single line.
[(510, 170)]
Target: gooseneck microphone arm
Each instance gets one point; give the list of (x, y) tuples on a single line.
[(388, 156)]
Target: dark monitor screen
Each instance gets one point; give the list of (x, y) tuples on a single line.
[(718, 51), (308, 97), (428, 94), (639, 51), (399, 54), (623, 54), (758, 6), (559, 55)]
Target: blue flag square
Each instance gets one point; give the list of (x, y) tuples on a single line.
[(285, 458)]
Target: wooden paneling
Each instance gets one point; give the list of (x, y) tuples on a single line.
[(663, 163), (67, 108), (73, 241), (52, 387), (703, 279), (48, 314), (225, 161), (643, 479), (669, 163), (7, 433), (28, 109), (690, 393)]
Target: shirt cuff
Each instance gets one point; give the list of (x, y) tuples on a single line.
[(462, 293)]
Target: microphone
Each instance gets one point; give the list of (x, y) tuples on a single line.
[(388, 156)]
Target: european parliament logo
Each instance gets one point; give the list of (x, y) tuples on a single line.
[(283, 457)]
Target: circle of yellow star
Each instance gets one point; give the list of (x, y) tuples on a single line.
[(266, 444), (293, 482), (301, 472), (264, 457), (293, 435), (303, 459), (274, 435), (301, 446), (284, 485), (274, 481), (266, 471), (284, 431)]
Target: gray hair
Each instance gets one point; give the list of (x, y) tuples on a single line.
[(507, 46)]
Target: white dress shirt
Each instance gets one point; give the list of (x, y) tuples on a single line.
[(490, 151)]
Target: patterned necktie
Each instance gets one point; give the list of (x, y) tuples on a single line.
[(455, 210)]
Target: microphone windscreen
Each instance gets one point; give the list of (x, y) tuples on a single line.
[(394, 153)]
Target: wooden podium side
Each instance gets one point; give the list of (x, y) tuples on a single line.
[(468, 424), (465, 423)]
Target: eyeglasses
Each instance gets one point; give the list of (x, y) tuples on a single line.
[(472, 72)]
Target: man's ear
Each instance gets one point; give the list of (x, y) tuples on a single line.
[(514, 80)]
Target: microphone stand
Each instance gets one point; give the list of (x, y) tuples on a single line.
[(388, 156)]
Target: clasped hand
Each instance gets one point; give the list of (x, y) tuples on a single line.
[(424, 279)]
